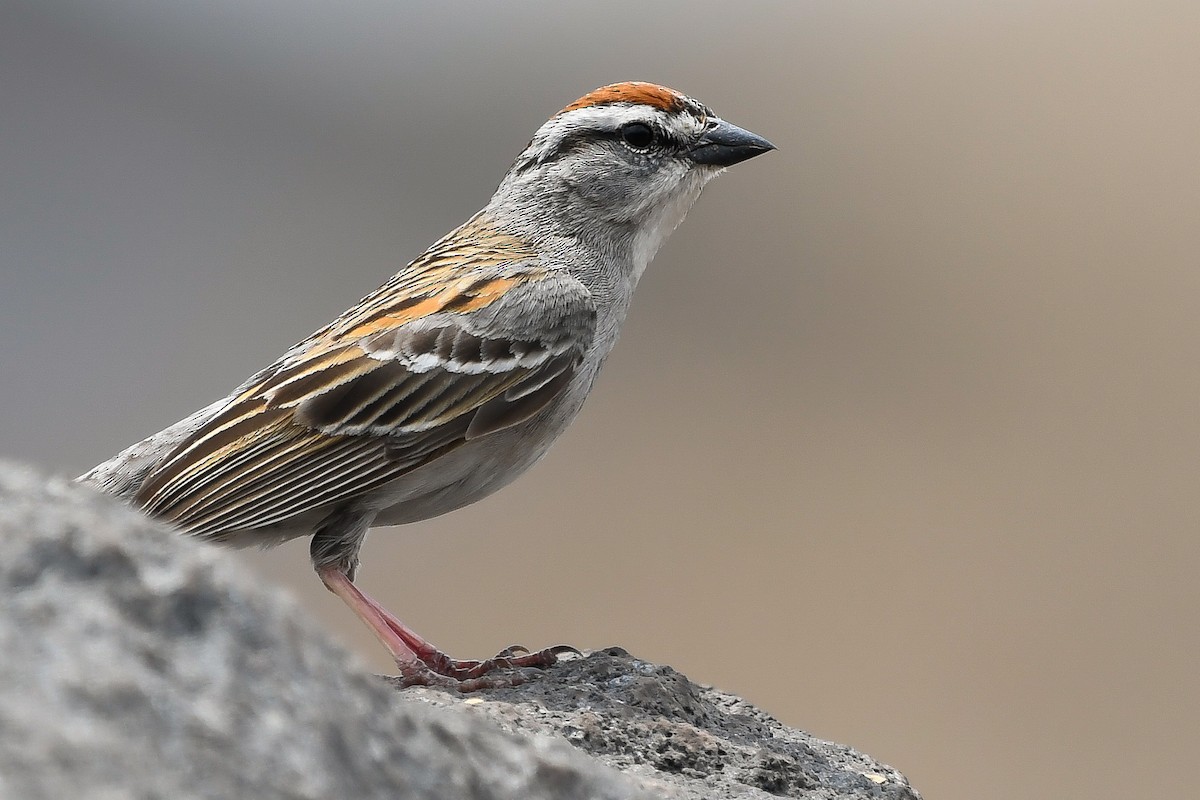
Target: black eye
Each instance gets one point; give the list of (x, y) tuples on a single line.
[(637, 135)]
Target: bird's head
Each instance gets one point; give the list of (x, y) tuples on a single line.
[(626, 160)]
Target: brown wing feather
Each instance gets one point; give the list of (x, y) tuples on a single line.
[(397, 382)]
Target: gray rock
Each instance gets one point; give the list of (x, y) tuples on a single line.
[(649, 721), (138, 663)]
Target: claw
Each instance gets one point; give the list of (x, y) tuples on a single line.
[(511, 651)]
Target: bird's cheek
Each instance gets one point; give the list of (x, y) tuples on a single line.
[(615, 197)]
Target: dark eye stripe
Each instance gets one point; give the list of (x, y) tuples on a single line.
[(580, 137)]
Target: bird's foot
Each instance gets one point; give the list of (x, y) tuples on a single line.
[(510, 658), (422, 664)]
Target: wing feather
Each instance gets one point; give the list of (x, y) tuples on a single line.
[(468, 340)]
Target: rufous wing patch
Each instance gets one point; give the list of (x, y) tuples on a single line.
[(465, 295)]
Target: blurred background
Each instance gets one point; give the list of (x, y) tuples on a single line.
[(931, 489)]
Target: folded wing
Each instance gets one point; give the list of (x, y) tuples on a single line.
[(445, 353)]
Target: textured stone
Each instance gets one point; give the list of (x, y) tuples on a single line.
[(652, 722), (138, 663)]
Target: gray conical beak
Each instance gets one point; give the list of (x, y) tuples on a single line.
[(725, 144)]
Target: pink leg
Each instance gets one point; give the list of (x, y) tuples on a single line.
[(418, 660), (369, 612)]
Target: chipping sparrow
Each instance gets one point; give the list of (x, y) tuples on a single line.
[(456, 375)]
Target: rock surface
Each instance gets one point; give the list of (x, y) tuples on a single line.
[(651, 722), (140, 664)]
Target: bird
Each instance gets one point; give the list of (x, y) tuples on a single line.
[(453, 377)]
